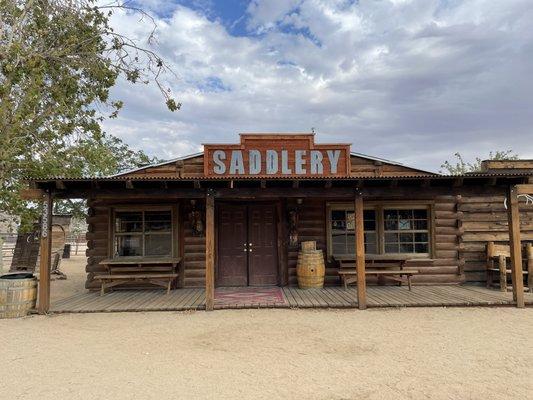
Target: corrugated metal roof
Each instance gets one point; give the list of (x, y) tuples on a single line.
[(262, 177)]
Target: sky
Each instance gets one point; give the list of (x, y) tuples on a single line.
[(414, 81)]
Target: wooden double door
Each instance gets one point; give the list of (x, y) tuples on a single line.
[(247, 245)]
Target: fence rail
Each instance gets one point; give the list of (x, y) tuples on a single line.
[(8, 243)]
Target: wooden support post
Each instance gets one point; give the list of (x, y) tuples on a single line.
[(1, 254), (209, 250), (282, 242), (529, 253), (513, 217), (360, 250), (45, 258), (502, 263)]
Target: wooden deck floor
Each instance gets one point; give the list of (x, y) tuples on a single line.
[(329, 297)]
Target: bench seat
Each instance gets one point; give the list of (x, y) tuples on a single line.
[(348, 271), (395, 275)]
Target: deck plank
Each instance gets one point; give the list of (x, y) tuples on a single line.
[(344, 298), (119, 298), (298, 297), (199, 301), (186, 299), (289, 298), (327, 297)]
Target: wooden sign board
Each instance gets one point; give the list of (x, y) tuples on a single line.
[(268, 155)]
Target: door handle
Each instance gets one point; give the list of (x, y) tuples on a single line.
[(249, 245)]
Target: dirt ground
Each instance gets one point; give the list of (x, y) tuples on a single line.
[(74, 268), (424, 353)]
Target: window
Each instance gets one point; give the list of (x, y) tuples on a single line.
[(143, 233), (388, 230), (406, 231), (343, 231)]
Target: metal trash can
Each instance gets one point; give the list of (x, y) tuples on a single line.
[(66, 250)]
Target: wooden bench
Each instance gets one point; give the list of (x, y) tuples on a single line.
[(387, 268), (499, 253), (156, 271)]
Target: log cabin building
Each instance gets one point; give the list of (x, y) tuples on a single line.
[(235, 214)]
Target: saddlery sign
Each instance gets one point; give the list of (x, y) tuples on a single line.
[(277, 155)]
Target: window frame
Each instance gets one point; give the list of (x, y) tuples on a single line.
[(379, 207), (174, 230)]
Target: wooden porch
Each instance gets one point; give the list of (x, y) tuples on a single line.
[(286, 297)]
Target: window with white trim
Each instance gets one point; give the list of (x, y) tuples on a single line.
[(389, 230)]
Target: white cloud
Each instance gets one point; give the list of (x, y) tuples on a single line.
[(412, 80)]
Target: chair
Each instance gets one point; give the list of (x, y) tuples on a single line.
[(497, 256)]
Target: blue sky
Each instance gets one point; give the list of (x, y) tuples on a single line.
[(231, 13), (409, 80)]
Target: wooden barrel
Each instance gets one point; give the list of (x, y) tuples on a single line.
[(310, 269), (17, 296), (309, 245)]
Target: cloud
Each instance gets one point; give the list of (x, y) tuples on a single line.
[(411, 80)]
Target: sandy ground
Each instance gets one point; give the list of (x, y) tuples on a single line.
[(74, 268), (431, 353)]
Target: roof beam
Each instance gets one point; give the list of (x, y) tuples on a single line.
[(492, 181), (60, 185), (173, 192)]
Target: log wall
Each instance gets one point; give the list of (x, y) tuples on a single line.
[(446, 269), (97, 242), (311, 226), (484, 219), (462, 223), (447, 266), (193, 250)]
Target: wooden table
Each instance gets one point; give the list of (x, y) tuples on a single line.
[(348, 272), (160, 271)]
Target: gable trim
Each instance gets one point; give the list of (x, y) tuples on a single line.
[(171, 161)]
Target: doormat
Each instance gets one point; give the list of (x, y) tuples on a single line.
[(249, 297)]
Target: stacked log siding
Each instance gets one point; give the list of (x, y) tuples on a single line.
[(484, 219), (97, 242)]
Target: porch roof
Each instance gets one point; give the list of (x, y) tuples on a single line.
[(305, 186), (155, 177)]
